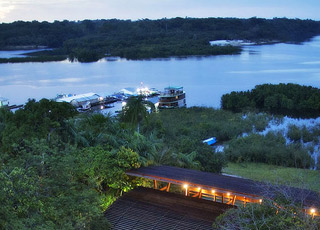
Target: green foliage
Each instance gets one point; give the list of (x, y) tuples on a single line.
[(61, 170), (183, 131), (94, 129), (294, 133), (270, 149), (135, 111), (303, 133), (41, 119), (40, 190), (86, 55), (295, 177), (107, 169), (18, 197), (266, 216), (286, 99), (90, 40), (40, 187)]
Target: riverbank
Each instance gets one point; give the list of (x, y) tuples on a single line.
[(33, 59), (26, 47)]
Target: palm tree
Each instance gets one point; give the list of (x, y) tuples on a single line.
[(136, 110)]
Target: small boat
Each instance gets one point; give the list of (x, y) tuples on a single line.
[(211, 141), (172, 97)]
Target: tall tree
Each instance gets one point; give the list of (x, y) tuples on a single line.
[(136, 110)]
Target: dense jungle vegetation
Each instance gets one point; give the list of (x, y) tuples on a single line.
[(285, 99), (267, 216), (185, 129), (60, 169), (90, 40)]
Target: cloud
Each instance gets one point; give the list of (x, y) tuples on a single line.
[(5, 9), (311, 63), (70, 80), (45, 81), (50, 10)]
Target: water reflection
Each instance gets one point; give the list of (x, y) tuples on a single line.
[(17, 53), (205, 79)]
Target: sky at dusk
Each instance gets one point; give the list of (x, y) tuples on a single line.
[(50, 10)]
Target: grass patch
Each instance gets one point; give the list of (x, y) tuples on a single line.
[(300, 178)]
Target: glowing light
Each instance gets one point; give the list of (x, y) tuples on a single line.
[(260, 201), (100, 98), (186, 187), (102, 107), (228, 194), (213, 191), (143, 91), (124, 103), (312, 211), (199, 189)]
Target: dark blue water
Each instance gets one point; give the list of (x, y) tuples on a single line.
[(204, 79)]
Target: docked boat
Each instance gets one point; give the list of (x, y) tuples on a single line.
[(83, 101), (4, 102), (172, 97)]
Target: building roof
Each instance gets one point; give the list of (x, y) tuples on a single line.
[(234, 185), (145, 208), (128, 91), (79, 97), (174, 87)]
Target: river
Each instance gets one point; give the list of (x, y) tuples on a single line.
[(204, 79)]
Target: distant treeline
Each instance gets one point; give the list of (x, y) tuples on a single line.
[(91, 40), (286, 99)]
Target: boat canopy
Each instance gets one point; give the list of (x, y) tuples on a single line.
[(78, 97), (174, 88)]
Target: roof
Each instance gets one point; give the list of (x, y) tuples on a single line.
[(145, 208), (174, 87), (79, 97), (234, 185), (128, 91)]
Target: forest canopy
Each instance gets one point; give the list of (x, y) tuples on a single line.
[(90, 40), (61, 170), (285, 99)]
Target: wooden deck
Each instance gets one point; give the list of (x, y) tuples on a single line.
[(145, 208)]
